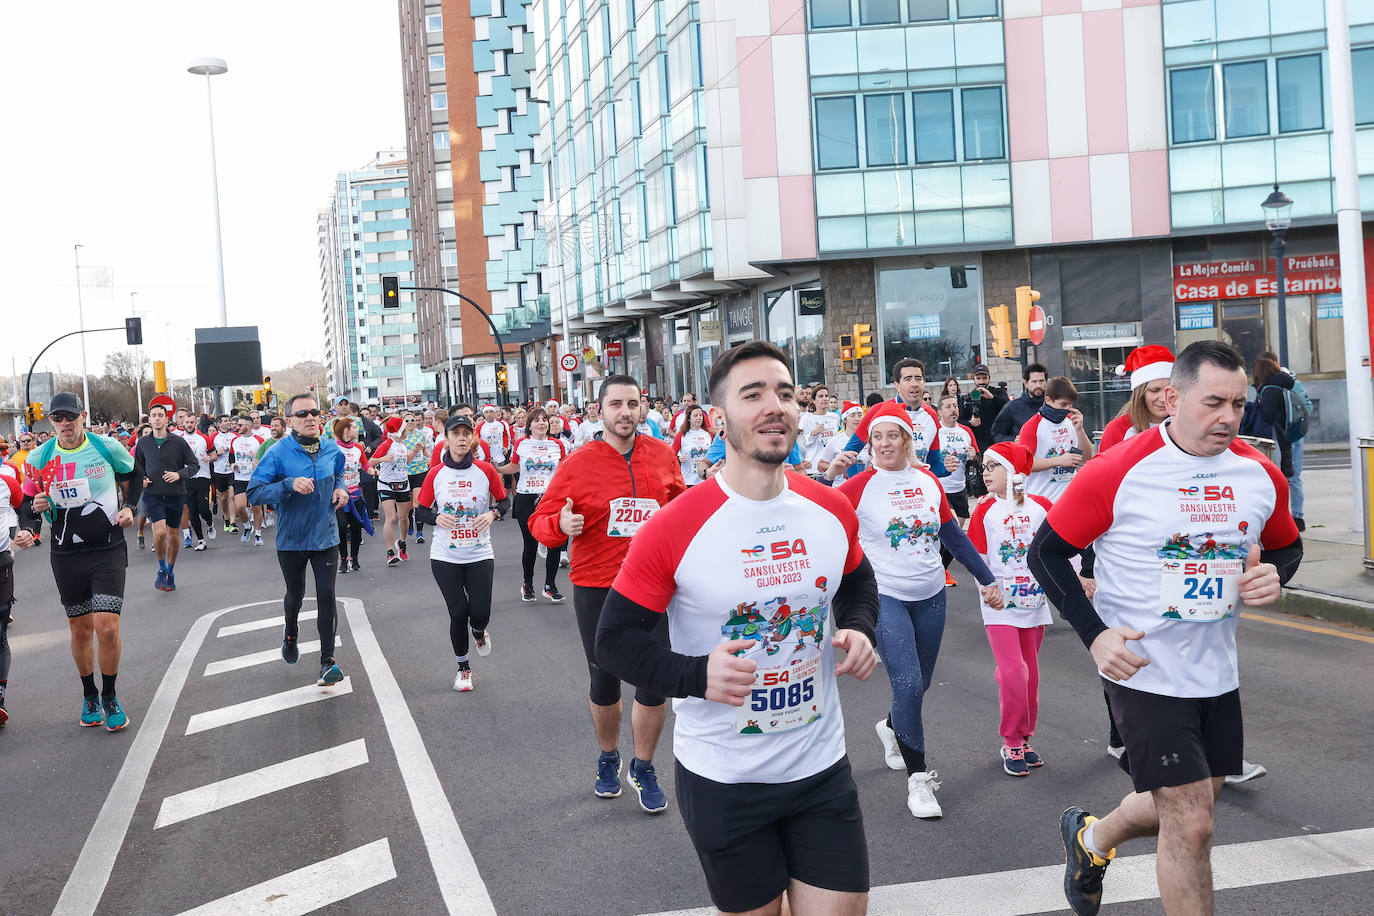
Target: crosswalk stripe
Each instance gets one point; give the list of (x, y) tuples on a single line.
[(264, 781), (262, 658), (310, 888), (262, 706), (267, 623)]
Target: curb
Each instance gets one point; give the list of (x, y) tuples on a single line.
[(1302, 602)]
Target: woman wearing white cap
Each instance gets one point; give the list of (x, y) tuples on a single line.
[(1149, 368), (850, 414)]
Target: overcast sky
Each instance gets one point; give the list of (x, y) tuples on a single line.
[(107, 145)]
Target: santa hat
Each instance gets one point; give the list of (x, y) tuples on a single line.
[(1015, 458), (886, 412), (1146, 364), (393, 425), (163, 400), (850, 407)]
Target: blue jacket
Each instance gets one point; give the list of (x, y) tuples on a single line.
[(303, 522)]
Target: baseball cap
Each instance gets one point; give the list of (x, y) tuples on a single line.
[(65, 400), (457, 420), (980, 369)]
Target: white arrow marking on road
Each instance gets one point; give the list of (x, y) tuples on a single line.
[(1037, 890), (262, 706), (268, 623), (310, 888), (264, 657), (462, 887), (260, 782)]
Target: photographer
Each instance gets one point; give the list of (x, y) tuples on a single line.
[(980, 407)]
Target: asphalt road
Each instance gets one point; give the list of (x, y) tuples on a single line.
[(395, 794)]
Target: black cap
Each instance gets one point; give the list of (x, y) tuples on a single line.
[(459, 419), (980, 368), (65, 400)]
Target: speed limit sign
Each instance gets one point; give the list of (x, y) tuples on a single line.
[(569, 362)]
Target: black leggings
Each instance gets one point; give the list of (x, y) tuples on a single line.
[(605, 691), (198, 502), (325, 563), (6, 602), (350, 534), (466, 588), (522, 509)]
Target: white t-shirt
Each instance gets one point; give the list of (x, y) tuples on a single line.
[(201, 446), (1002, 532), (692, 449), (244, 452), (538, 459), (1171, 532), (353, 464), (725, 567), (496, 434), (812, 446), (224, 464), (900, 514), (955, 442), (1048, 440), (586, 431), (392, 473), (467, 493)]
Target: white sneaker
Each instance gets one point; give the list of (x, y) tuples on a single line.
[(270, 520), (1116, 750), (483, 645), (257, 538), (543, 551), (200, 544), (892, 754), (920, 794), (563, 560), (463, 682), (1248, 771), (212, 530)]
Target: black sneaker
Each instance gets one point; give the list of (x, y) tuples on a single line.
[(527, 593), (290, 652), (551, 592), (1297, 520), (419, 538), (391, 558), (343, 565), (355, 565), (1083, 870)]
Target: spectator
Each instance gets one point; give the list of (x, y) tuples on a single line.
[(980, 407), (1015, 414), (1271, 382)]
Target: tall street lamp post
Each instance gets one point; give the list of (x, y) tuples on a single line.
[(1278, 215), (208, 67)]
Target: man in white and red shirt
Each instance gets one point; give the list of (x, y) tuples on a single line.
[(1188, 524), (197, 508), (243, 456), (1056, 439), (761, 576), (222, 472), (496, 433), (909, 377)]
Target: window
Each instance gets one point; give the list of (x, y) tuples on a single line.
[(982, 123), (434, 22), (1246, 90), (441, 139), (877, 12), (928, 10), (1299, 82), (922, 314), (436, 62), (885, 129), (438, 101), (829, 13), (976, 9), (443, 178), (1362, 67), (837, 145), (933, 117), (1194, 105)]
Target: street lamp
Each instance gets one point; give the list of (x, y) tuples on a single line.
[(208, 67), (1278, 215)]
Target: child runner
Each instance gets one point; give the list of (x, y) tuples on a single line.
[(1056, 439)]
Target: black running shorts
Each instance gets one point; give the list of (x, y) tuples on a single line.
[(958, 503), (753, 838), (223, 482), (91, 580), (240, 486), (1174, 741)]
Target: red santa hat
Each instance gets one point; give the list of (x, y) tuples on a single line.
[(1146, 364), (163, 400), (393, 425), (1015, 458), (886, 412), (850, 407)]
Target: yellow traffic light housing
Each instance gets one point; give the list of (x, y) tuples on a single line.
[(1025, 298), (1001, 330), (159, 377), (35, 413), (267, 383), (863, 340), (846, 352), (501, 376)]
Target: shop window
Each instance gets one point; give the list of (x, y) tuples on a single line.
[(801, 337), (1193, 102), (1299, 82), (922, 314), (1246, 96), (837, 145)]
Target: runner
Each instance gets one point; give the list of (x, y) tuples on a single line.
[(496, 433), (276, 431), (957, 447), (1188, 524), (590, 427), (904, 518), (222, 472), (535, 459), (850, 416), (353, 518), (909, 378), (197, 509), (243, 449), (164, 463), (11, 496), (303, 476), (391, 460), (419, 441), (70, 479), (1057, 440), (760, 577), (690, 445), (1149, 368), (818, 426), (596, 501), (463, 497)]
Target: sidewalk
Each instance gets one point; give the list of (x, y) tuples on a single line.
[(1332, 582)]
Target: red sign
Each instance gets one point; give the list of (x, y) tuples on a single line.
[(1249, 279), (614, 348), (1037, 325), (569, 362)]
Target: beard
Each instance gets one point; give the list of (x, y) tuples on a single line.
[(763, 454)]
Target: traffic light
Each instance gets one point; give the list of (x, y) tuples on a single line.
[(133, 331), (846, 352), (159, 376), (267, 383), (1001, 330), (391, 293), (501, 376), (863, 340), (1025, 298), (34, 413)]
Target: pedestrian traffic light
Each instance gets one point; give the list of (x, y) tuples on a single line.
[(501, 376), (391, 293), (159, 376), (133, 331), (1025, 298), (1001, 330), (267, 383), (846, 352), (863, 340)]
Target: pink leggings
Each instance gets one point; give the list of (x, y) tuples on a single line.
[(1017, 652)]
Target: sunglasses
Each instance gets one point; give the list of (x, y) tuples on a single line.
[(62, 417), (302, 414)]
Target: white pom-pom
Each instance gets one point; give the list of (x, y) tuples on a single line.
[(1120, 371)]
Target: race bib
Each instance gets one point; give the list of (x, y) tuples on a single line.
[(627, 515), (243, 467), (70, 494), (466, 536), (1201, 591), (784, 697), (1022, 592), (352, 477)]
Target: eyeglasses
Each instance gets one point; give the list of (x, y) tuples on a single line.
[(991, 466), (302, 414), (62, 416)]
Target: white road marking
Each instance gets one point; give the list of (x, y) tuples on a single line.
[(88, 878), (260, 782), (1036, 890), (251, 709), (310, 888), (264, 657), (37, 642), (459, 882), (267, 623)]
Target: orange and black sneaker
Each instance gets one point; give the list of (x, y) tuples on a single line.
[(1083, 869)]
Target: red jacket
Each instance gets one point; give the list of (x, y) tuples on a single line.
[(592, 476)]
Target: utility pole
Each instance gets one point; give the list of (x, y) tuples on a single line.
[(81, 327)]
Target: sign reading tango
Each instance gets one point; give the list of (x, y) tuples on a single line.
[(1247, 278)]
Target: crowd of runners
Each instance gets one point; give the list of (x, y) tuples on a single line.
[(740, 556)]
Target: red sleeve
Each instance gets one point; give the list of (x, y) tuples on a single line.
[(1084, 512), (648, 577), (977, 531), (1111, 435), (677, 444), (853, 488), (562, 449), (1027, 436), (484, 449), (1043, 501), (16, 497), (209, 445), (1279, 530), (972, 440), (930, 412), (935, 443), (435, 457), (426, 498), (498, 489), (379, 453), (362, 452)]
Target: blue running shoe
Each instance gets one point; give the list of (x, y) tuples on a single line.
[(329, 674), (170, 581), (608, 775), (410, 532), (161, 583), (645, 781), (115, 719), (290, 652), (186, 542), (90, 712)]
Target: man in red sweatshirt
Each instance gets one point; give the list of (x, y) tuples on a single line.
[(597, 500)]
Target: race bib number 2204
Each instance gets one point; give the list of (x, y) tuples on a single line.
[(627, 515)]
